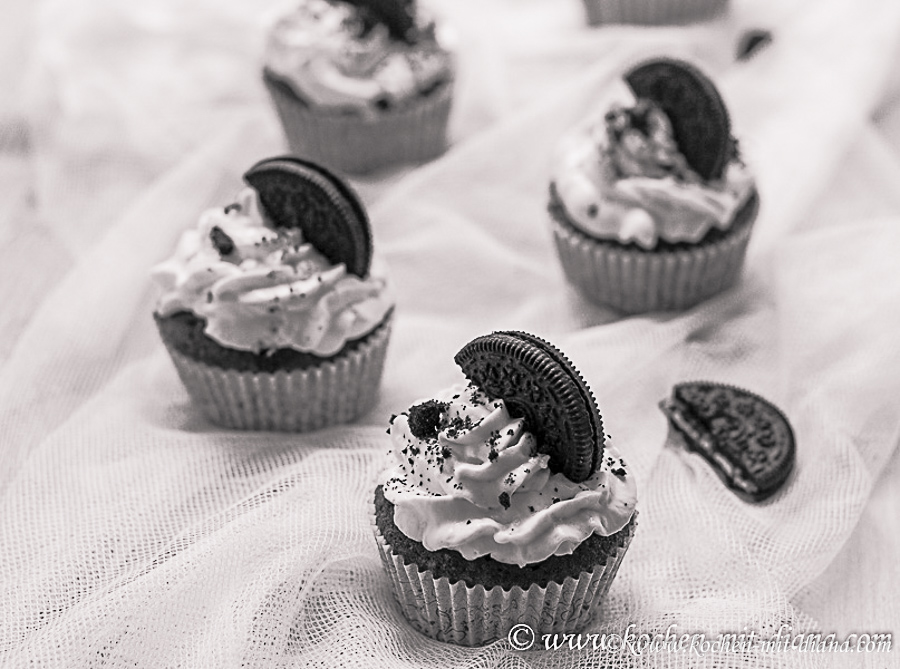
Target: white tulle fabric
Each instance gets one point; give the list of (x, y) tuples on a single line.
[(135, 534)]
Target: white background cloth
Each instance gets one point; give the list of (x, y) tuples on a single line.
[(134, 533)]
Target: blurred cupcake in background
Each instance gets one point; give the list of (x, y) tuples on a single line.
[(651, 204), (361, 84), (270, 307), (652, 12)]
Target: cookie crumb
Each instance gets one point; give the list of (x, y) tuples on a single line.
[(751, 42), (425, 419), (503, 498), (220, 239)]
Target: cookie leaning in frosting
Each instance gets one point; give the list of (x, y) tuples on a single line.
[(360, 84), (271, 307), (651, 203), (504, 503)]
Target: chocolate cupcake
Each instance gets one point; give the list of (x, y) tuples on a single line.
[(651, 203), (360, 84), (270, 309), (505, 503)]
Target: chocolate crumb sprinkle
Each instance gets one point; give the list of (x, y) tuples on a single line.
[(503, 498), (220, 239)]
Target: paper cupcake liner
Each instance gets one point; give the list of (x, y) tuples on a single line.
[(651, 12), (635, 281), (334, 392), (474, 615), (357, 144)]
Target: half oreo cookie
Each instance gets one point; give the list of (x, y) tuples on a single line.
[(746, 439), (539, 383), (697, 112), (397, 15), (297, 193)]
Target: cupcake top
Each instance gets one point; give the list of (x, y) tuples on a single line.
[(484, 474), (361, 56), (262, 284), (661, 165)]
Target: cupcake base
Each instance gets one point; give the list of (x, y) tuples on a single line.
[(358, 144), (463, 611), (634, 280), (651, 12), (336, 390)]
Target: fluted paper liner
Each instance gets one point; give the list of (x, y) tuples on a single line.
[(357, 144), (334, 392), (651, 12), (474, 615), (636, 281)]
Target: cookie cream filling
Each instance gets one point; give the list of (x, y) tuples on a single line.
[(621, 177), (324, 53), (479, 486), (262, 288)]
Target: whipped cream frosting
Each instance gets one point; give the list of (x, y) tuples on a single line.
[(481, 487), (621, 177), (262, 288), (322, 51)]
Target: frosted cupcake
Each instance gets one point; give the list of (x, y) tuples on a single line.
[(505, 504), (652, 205), (652, 12), (269, 307), (360, 84)]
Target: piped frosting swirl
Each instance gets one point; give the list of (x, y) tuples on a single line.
[(478, 485), (262, 288), (621, 177), (332, 59)]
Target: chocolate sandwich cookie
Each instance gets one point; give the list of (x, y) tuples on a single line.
[(694, 107), (397, 15), (297, 193), (539, 383), (746, 439)]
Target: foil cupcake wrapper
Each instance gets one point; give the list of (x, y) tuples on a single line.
[(634, 281), (334, 392), (356, 144), (651, 12), (474, 615)]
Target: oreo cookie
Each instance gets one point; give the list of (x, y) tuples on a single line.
[(699, 119), (397, 15), (746, 439), (540, 384), (297, 193)]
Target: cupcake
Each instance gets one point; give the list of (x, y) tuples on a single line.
[(504, 503), (271, 308), (651, 204), (651, 12), (360, 85)]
